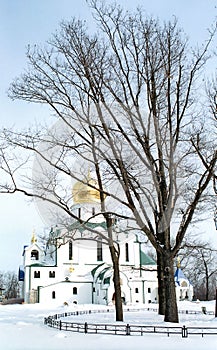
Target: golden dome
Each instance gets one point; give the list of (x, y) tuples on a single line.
[(83, 192)]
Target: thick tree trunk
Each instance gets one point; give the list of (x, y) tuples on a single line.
[(206, 280), (117, 285), (171, 310), (161, 285), (207, 288), (116, 271)]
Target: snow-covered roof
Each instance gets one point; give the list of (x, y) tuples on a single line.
[(179, 276)]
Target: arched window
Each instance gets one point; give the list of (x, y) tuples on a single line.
[(34, 254), (36, 274), (75, 291), (53, 294), (51, 274), (70, 250), (136, 290)]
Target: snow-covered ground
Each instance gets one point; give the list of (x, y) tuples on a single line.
[(21, 327)]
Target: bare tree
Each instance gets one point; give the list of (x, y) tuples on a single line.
[(199, 263), (1, 280), (211, 90), (10, 285), (130, 98)]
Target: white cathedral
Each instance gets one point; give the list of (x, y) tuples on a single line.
[(76, 271)]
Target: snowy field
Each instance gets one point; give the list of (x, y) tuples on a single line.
[(21, 327)]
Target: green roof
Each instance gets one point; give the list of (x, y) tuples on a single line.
[(146, 260), (107, 280), (37, 265), (96, 268), (87, 225), (102, 273)]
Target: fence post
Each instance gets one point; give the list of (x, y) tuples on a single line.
[(184, 332), (127, 329), (60, 325), (85, 327)]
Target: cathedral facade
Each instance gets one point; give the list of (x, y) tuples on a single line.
[(76, 266), (68, 272)]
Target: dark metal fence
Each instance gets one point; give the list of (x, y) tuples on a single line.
[(127, 329)]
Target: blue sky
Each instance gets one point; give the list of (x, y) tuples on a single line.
[(24, 22)]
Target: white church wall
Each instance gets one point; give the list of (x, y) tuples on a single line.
[(136, 292), (128, 252), (33, 254), (143, 291), (136, 254), (26, 284), (66, 292), (184, 293), (41, 276), (88, 210), (151, 291), (83, 253)]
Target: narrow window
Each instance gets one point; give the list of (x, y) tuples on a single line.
[(149, 290), (36, 274), (79, 213), (70, 250), (99, 250), (127, 251), (52, 274), (136, 290), (34, 254), (75, 291), (93, 211), (53, 294)]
